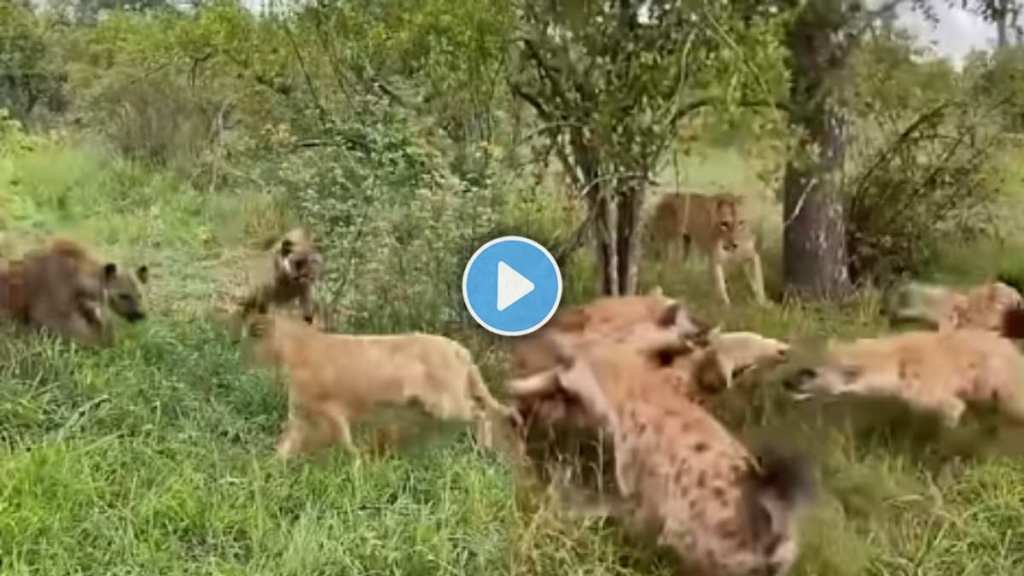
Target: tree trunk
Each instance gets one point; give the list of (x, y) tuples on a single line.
[(630, 201), (605, 214), (814, 238), (1001, 16)]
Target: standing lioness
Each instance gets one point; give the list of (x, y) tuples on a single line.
[(718, 225), (334, 379)]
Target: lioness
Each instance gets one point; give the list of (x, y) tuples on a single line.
[(333, 379), (63, 289), (939, 372), (680, 473), (718, 225)]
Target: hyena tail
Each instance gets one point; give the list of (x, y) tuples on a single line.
[(1013, 323), (780, 484), (787, 478)]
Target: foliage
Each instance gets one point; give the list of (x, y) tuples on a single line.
[(611, 87), (922, 175), (31, 71), (396, 224)]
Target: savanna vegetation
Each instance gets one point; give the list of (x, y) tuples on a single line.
[(405, 133)]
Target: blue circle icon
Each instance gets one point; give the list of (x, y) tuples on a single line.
[(512, 286)]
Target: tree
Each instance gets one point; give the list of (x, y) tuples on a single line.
[(1005, 14), (30, 70), (611, 82), (821, 38)]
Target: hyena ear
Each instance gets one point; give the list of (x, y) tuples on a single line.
[(669, 316), (711, 374), (109, 271), (286, 247), (142, 273)]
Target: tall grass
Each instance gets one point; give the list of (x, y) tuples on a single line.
[(156, 456)]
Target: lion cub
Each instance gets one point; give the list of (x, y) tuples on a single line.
[(718, 225), (939, 372), (680, 473), (333, 379), (63, 289)]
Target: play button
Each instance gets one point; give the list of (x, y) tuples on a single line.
[(512, 286)]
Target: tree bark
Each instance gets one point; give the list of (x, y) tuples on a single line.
[(606, 221), (630, 200), (814, 238)]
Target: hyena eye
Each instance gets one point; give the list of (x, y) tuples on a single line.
[(723, 225)]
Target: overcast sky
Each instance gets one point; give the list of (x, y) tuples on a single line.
[(957, 33)]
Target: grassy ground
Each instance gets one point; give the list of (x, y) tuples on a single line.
[(156, 456)]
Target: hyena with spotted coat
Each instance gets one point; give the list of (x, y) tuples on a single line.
[(680, 473)]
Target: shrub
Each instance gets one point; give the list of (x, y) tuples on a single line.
[(929, 185), (397, 226)]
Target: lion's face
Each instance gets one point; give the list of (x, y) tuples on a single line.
[(730, 226)]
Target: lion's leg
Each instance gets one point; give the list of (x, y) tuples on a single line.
[(1011, 406), (950, 409), (292, 437), (718, 273), (755, 277), (338, 426)]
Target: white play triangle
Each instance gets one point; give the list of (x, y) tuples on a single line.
[(512, 286)]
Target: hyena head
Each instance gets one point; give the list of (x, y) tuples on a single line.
[(298, 259), (124, 295), (830, 378)]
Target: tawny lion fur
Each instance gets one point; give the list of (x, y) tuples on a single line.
[(941, 372), (717, 224), (333, 379), (63, 289), (680, 473), (982, 307)]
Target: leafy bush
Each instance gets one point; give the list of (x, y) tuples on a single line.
[(396, 226), (928, 187), (922, 175)]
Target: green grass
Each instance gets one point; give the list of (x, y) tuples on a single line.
[(156, 456)]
